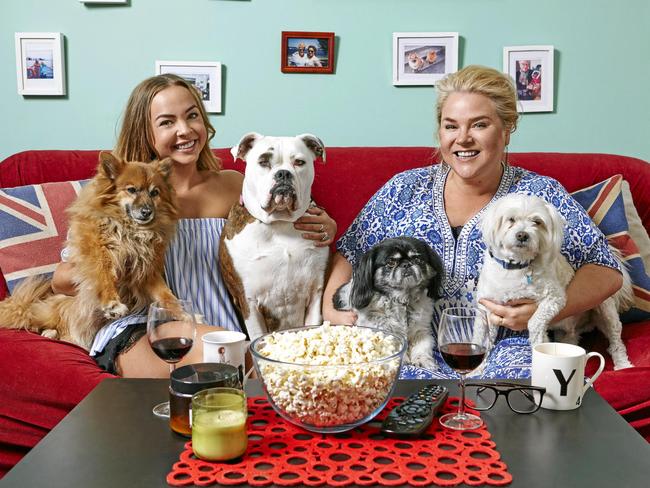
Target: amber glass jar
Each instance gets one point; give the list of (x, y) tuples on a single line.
[(191, 379)]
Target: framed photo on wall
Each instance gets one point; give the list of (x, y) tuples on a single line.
[(204, 75), (531, 67), (307, 52), (40, 66), (423, 58)]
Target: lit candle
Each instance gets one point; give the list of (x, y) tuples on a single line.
[(219, 424)]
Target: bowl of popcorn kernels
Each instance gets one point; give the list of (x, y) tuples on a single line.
[(328, 378)]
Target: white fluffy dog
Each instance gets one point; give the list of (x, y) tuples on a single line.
[(523, 235)]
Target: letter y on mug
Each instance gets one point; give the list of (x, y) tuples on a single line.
[(560, 368)]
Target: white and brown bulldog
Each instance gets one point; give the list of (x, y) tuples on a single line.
[(275, 277)]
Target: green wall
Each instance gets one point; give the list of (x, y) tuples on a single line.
[(602, 68)]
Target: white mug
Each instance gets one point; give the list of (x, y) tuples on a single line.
[(560, 368), (225, 346)]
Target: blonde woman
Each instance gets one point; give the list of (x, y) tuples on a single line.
[(442, 204)]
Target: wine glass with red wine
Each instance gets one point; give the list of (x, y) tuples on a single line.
[(171, 329), (463, 341)]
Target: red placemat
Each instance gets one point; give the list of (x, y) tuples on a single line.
[(282, 454)]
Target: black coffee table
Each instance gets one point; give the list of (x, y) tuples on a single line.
[(111, 439)]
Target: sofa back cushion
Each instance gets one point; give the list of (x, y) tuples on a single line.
[(351, 175), (33, 227), (34, 167)]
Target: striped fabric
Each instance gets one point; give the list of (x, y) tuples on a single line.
[(604, 204), (192, 273)]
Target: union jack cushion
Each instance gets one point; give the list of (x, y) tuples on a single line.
[(33, 227), (604, 204)]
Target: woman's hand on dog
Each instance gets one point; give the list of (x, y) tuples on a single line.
[(62, 279), (514, 315), (340, 317), (318, 226)]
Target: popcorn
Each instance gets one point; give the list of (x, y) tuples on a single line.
[(335, 374)]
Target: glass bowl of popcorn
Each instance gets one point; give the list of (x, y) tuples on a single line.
[(328, 378)]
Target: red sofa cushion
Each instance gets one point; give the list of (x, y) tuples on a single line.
[(33, 167), (42, 380), (626, 390)]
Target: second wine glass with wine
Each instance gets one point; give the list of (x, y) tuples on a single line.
[(171, 330), (462, 342)]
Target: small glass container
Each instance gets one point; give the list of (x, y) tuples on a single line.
[(191, 379), (219, 424)]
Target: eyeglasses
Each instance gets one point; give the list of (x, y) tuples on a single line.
[(520, 398)]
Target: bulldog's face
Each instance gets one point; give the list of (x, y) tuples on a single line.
[(279, 174)]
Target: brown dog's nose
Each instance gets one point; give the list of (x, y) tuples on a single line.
[(522, 236), (146, 211)]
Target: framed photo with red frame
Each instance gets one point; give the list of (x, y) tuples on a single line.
[(307, 52)]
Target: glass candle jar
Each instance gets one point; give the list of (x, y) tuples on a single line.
[(191, 379), (219, 424)]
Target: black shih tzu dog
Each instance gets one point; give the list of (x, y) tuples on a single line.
[(393, 288)]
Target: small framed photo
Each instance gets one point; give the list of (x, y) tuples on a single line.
[(40, 66), (205, 76), (531, 67), (423, 58), (307, 52)]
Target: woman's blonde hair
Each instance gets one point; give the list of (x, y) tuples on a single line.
[(495, 85), (136, 141)]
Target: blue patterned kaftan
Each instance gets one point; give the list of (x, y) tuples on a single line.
[(411, 204)]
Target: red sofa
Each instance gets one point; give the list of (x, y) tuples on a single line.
[(43, 379)]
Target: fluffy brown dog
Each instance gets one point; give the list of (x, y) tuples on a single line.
[(119, 229)]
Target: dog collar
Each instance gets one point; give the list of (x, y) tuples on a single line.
[(509, 264)]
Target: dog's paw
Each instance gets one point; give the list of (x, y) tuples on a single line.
[(423, 361), (622, 364), (50, 333), (114, 310)]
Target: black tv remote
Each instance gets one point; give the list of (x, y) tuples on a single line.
[(412, 417)]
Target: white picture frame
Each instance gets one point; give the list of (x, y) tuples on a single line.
[(535, 90), (204, 75), (40, 63), (423, 58)]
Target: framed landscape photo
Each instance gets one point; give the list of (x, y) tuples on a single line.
[(307, 52), (423, 58), (40, 66), (531, 67), (204, 75)]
